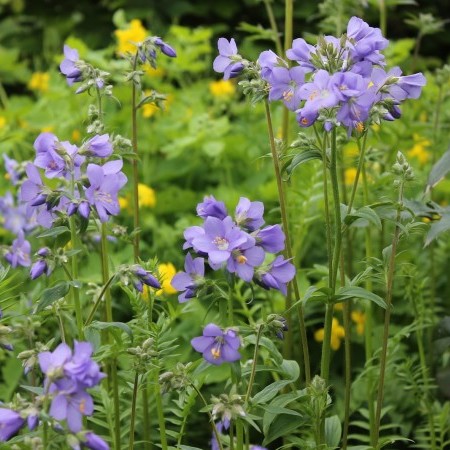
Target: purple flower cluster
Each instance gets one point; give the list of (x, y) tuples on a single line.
[(338, 81), (239, 245), (68, 375), (83, 185)]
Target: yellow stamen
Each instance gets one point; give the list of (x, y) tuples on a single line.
[(215, 352), (241, 259)]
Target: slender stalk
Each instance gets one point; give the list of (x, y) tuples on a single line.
[(105, 274), (239, 435), (387, 318), (288, 35), (74, 275), (160, 414), (231, 436), (97, 302), (61, 325), (148, 444), (133, 410), (288, 251), (362, 151), (230, 305), (383, 17), (347, 362), (211, 420), (3, 96), (134, 142), (255, 359), (368, 329), (273, 26)]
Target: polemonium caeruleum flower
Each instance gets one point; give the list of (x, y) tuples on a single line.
[(220, 238), (277, 275), (11, 166), (105, 183), (142, 276), (217, 345), (228, 62), (285, 85), (270, 238), (244, 260), (165, 48), (10, 423), (188, 282), (99, 145), (19, 252), (249, 214), (210, 207), (69, 65), (94, 442)]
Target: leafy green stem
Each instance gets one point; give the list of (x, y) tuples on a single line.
[(255, 360), (74, 275), (133, 410)]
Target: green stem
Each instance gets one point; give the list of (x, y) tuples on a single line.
[(273, 26), (148, 444), (387, 318), (211, 420), (97, 302), (362, 151), (133, 410), (232, 435), (383, 17), (136, 219), (239, 435), (230, 305), (281, 198), (3, 96), (105, 274), (368, 326), (74, 275), (255, 359), (160, 413), (288, 36)]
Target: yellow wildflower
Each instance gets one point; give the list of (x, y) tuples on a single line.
[(2, 122), (350, 176), (147, 196), (166, 273), (360, 319), (418, 150), (47, 129), (132, 35), (149, 109), (123, 202), (339, 306), (337, 334), (222, 88), (76, 135), (39, 81)]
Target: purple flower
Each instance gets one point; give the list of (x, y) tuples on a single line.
[(249, 214), (365, 41), (94, 442), (82, 368), (318, 94), (217, 345), (10, 423), (190, 280), (268, 60), (270, 238), (15, 217), (228, 62), (277, 275), (99, 145), (105, 183), (69, 65), (19, 253), (190, 233), (11, 166), (70, 403), (32, 189), (301, 52), (165, 48), (412, 84), (38, 268), (219, 239), (244, 260), (52, 363), (285, 85), (143, 277), (211, 207)]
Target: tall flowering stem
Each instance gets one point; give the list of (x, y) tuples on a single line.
[(284, 219), (255, 359), (288, 36), (387, 317)]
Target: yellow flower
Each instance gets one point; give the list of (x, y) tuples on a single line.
[(337, 334), (2, 122), (418, 150), (123, 202), (339, 307), (350, 175), (39, 81), (47, 129), (76, 135), (360, 319), (149, 109), (133, 34), (222, 88), (147, 196), (166, 273)]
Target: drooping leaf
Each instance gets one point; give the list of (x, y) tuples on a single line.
[(437, 228), (348, 292), (51, 295), (439, 170)]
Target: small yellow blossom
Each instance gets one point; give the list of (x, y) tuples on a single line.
[(147, 196), (351, 151), (132, 35), (418, 150), (2, 122), (76, 135), (337, 334), (222, 88), (149, 109), (350, 176), (47, 129), (339, 307), (166, 273), (123, 203), (360, 319), (39, 81)]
